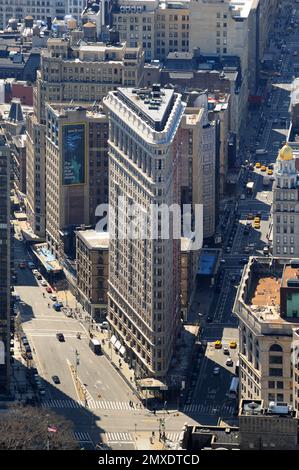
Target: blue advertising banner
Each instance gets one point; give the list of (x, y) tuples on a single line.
[(73, 151)]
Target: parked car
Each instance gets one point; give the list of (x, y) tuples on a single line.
[(49, 290), (60, 337), (24, 340), (56, 379), (44, 283)]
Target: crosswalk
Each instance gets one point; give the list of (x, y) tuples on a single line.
[(92, 404), (173, 436), (123, 437), (82, 436), (201, 408)]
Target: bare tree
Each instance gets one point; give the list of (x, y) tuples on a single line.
[(26, 428)]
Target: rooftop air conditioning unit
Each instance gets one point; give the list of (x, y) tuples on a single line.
[(139, 9), (122, 9), (133, 9), (128, 9)]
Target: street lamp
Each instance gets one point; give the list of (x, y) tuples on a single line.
[(77, 361)]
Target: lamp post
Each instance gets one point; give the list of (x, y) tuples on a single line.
[(77, 362)]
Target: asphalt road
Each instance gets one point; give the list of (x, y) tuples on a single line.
[(208, 401)]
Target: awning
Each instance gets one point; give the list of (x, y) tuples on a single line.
[(113, 339), (117, 345), (122, 351)]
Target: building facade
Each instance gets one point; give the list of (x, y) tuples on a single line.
[(267, 308), (92, 263), (77, 172), (285, 207), (5, 257), (144, 304)]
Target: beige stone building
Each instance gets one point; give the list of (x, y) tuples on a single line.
[(189, 267), (159, 27), (85, 73), (267, 308), (272, 427), (71, 74), (77, 172), (35, 175), (172, 28), (285, 207), (92, 263), (144, 290)]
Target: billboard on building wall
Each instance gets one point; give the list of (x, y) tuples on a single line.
[(73, 154)]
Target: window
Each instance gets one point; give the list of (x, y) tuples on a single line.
[(276, 372), (276, 348)]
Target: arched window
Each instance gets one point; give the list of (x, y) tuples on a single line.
[(275, 348)]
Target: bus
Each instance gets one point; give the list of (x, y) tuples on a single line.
[(233, 389), (95, 346)]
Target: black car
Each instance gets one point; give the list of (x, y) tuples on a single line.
[(28, 349), (29, 356), (56, 379), (60, 337), (25, 340)]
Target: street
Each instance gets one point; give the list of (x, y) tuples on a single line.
[(208, 400)]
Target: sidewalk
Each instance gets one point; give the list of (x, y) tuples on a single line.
[(20, 386), (146, 441)]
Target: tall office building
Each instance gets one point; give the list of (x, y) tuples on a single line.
[(77, 172), (285, 207), (144, 304), (4, 265), (267, 308), (82, 75)]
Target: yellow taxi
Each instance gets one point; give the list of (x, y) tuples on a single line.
[(263, 168), (218, 344), (270, 172), (258, 165), (233, 344)]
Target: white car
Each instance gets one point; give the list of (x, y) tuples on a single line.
[(44, 283), (53, 297), (229, 362)]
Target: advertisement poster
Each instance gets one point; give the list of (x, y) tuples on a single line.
[(73, 141)]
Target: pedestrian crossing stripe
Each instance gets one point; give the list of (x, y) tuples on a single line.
[(209, 409), (119, 437), (92, 404), (82, 436)]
